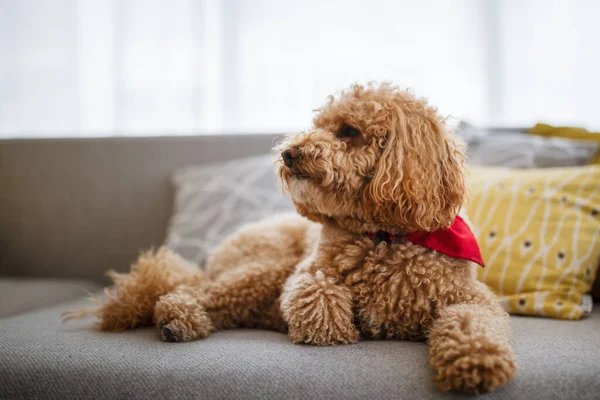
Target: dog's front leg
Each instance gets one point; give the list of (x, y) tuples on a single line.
[(469, 344), (317, 308)]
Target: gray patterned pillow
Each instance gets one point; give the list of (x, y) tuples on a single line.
[(522, 150), (211, 201)]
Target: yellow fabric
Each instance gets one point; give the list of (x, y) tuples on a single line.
[(569, 133), (539, 234)]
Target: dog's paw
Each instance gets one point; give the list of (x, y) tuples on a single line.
[(180, 318), (470, 349), (318, 311), (476, 373), (474, 365)]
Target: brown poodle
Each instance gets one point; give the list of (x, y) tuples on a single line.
[(377, 160)]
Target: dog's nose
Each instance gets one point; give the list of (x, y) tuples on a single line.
[(289, 156)]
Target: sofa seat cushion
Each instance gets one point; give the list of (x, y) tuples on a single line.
[(18, 295), (43, 358)]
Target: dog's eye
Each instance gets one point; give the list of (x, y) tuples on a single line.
[(347, 131)]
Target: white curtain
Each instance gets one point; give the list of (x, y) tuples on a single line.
[(549, 62), (146, 67)]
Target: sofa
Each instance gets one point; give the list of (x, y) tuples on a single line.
[(72, 208)]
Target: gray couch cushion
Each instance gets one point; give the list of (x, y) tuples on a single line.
[(43, 358), (18, 295), (96, 202)]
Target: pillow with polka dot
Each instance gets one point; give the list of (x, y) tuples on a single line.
[(539, 234)]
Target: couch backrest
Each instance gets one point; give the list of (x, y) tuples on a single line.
[(77, 207)]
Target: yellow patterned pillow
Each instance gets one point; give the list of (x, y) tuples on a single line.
[(539, 233)]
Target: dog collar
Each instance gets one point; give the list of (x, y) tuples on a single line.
[(456, 241)]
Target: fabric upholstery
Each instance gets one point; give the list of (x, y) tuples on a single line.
[(41, 358), (539, 232), (18, 295), (65, 203), (518, 149), (212, 201), (571, 133)]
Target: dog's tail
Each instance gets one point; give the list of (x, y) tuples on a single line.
[(87, 311), (130, 302)]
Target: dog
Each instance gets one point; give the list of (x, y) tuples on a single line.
[(379, 249)]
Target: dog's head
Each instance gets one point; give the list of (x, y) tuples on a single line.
[(377, 158)]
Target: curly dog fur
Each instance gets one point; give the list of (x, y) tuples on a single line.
[(377, 158)]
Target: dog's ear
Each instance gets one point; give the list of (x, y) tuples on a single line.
[(419, 181)]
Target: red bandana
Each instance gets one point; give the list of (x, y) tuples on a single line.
[(456, 241)]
